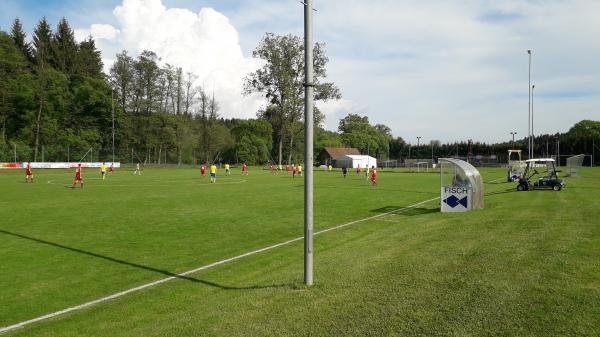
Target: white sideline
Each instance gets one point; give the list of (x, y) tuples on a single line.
[(166, 279)]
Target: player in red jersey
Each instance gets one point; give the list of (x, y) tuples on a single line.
[(111, 169), (244, 169), (294, 170), (28, 173), (271, 167), (203, 169), (358, 169), (287, 168), (373, 176), (78, 176)]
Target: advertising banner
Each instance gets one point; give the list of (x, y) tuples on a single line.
[(57, 165), (455, 199)]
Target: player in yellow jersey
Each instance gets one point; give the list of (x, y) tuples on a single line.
[(300, 169), (227, 169), (103, 169), (213, 173)]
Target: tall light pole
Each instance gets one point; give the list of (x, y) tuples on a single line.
[(308, 143), (112, 100), (529, 109), (419, 140), (532, 136), (513, 133), (558, 149)]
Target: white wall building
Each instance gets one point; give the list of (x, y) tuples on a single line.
[(353, 161)]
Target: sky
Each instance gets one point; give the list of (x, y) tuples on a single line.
[(439, 69)]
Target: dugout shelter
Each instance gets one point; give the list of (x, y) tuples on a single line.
[(461, 186)]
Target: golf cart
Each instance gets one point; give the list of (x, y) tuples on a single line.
[(516, 166), (549, 181)]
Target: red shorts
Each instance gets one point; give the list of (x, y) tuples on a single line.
[(28, 173), (78, 177)]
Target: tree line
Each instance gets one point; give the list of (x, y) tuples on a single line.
[(55, 99)]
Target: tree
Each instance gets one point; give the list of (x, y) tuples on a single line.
[(64, 48), (121, 76), (19, 38), (357, 132), (42, 42), (88, 59), (281, 81)]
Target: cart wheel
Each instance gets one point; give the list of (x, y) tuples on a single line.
[(557, 187), (520, 188)]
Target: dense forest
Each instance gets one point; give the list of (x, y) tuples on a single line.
[(57, 104)]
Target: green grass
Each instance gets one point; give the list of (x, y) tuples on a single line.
[(528, 264)]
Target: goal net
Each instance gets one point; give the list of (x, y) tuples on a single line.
[(574, 164)]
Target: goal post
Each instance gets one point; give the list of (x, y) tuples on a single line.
[(574, 165)]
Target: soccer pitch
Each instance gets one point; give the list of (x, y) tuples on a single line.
[(527, 264)]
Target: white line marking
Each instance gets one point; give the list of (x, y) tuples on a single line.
[(208, 266), (493, 181)]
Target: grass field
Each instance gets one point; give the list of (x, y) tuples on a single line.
[(526, 265)]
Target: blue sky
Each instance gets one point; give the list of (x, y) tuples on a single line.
[(439, 69)]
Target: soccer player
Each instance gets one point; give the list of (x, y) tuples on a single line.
[(103, 169), (111, 169), (213, 173), (300, 169), (271, 167), (28, 173), (203, 170), (358, 169), (287, 168), (137, 169), (244, 169), (294, 170), (78, 176), (227, 169), (373, 176), (330, 168), (344, 171)]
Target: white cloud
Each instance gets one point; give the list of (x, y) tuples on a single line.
[(102, 31), (204, 43)]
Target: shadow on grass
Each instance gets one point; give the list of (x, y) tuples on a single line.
[(139, 266), (397, 210)]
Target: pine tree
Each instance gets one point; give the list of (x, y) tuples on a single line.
[(42, 41), (64, 48), (89, 60), (18, 36)]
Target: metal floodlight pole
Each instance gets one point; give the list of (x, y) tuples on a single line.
[(532, 136), (419, 141), (558, 149), (513, 133), (308, 143), (112, 100), (529, 110)]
